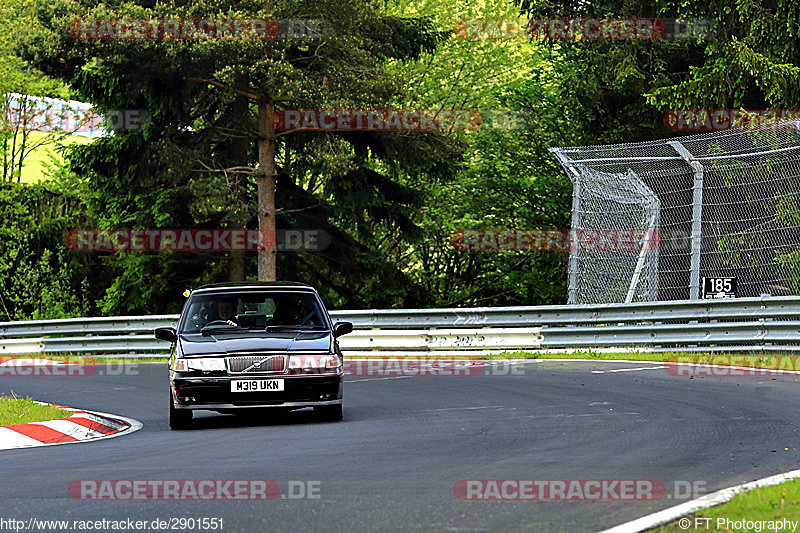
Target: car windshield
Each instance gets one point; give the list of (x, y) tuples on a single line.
[(248, 311)]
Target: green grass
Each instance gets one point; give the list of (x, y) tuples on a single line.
[(758, 505), (15, 410), (34, 168), (757, 359)]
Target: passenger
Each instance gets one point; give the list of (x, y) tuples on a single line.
[(288, 312)]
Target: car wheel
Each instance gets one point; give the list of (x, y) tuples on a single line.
[(329, 412), (179, 418)]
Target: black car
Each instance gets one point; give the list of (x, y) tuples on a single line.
[(251, 346)]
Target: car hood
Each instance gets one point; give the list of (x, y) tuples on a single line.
[(232, 343)]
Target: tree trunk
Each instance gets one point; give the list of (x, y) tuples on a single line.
[(22, 155), (266, 191), (237, 157)]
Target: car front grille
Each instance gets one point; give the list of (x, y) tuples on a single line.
[(257, 364)]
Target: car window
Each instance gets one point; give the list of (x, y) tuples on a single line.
[(255, 309)]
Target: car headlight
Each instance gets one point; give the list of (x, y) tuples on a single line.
[(333, 363), (204, 364), (315, 364)]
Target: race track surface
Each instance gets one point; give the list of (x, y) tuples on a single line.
[(393, 461)]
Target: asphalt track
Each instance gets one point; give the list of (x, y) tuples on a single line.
[(392, 463)]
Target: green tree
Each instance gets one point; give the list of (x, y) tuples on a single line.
[(209, 149), (19, 82), (509, 179), (619, 90), (39, 277)]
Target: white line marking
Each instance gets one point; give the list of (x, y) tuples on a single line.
[(660, 367), (375, 379), (565, 415), (460, 409)]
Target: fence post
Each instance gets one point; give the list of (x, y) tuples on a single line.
[(697, 218), (574, 265)]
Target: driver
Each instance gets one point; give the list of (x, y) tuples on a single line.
[(226, 310)]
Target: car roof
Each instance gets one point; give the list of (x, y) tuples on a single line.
[(255, 285)]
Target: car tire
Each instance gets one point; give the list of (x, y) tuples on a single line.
[(329, 413), (179, 418)]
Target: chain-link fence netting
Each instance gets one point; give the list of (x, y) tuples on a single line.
[(721, 205)]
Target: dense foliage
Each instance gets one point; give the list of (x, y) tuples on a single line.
[(388, 200)]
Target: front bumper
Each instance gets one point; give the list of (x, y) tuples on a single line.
[(214, 393)]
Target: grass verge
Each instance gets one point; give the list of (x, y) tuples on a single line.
[(747, 359), (14, 410), (761, 505)]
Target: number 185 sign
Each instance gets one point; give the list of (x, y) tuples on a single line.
[(719, 288)]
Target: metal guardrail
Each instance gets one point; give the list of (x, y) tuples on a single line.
[(85, 326), (765, 323)]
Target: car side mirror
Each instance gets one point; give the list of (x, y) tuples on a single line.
[(342, 328), (166, 334)]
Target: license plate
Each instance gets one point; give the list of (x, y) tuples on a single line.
[(256, 385)]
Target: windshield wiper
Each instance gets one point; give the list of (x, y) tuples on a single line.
[(268, 329), (228, 329)]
